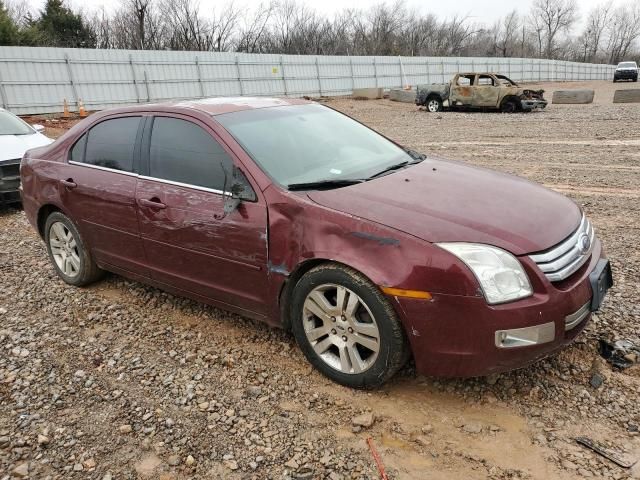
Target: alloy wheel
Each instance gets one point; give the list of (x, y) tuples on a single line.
[(433, 106), (341, 328), (64, 249)]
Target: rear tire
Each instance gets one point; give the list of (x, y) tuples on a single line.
[(68, 252), (434, 104), (346, 328)]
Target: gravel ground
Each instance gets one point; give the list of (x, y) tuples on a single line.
[(121, 381)]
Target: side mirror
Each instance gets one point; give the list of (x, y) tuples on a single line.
[(238, 190), (38, 128)]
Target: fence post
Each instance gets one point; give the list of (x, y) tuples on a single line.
[(239, 76), (3, 94), (318, 73), (375, 71), (353, 78), (146, 85), (426, 63), (133, 78), (199, 77), (284, 79), (71, 82), (442, 69)]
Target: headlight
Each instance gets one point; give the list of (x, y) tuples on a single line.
[(500, 274)]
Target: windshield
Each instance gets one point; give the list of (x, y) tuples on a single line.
[(506, 80), (311, 143), (627, 65), (12, 125)]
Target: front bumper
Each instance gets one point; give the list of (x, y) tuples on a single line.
[(625, 75), (528, 105), (458, 336), (9, 182)]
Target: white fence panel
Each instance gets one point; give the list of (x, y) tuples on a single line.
[(38, 80)]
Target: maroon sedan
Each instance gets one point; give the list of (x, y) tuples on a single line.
[(295, 214)]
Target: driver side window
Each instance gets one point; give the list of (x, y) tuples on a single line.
[(183, 152), (485, 80)]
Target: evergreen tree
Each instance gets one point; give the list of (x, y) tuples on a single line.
[(61, 27), (8, 29)]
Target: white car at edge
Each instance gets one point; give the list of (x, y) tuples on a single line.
[(16, 137)]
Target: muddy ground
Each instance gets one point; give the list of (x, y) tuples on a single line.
[(121, 381)]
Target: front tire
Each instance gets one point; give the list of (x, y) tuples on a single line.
[(509, 106), (346, 327), (68, 253)]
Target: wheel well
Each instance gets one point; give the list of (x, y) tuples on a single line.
[(510, 98), (43, 214), (287, 289), (434, 95)]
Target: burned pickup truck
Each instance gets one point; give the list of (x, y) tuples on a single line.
[(480, 91)]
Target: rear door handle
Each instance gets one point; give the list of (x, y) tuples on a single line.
[(69, 183), (152, 203)]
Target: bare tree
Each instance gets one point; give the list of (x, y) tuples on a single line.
[(623, 30), (255, 26), (19, 11), (549, 18), (506, 33)]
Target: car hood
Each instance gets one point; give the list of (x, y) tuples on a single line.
[(445, 201), (14, 146)]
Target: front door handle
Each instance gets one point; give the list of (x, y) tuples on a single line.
[(69, 183), (152, 203)]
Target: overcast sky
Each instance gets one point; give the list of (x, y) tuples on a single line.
[(482, 11)]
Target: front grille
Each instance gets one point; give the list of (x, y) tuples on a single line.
[(10, 169), (561, 261)]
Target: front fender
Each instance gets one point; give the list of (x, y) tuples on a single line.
[(301, 231)]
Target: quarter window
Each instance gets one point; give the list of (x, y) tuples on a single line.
[(77, 151), (183, 152), (111, 143)]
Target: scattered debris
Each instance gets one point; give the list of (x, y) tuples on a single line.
[(604, 451), (378, 460), (365, 420), (621, 353)]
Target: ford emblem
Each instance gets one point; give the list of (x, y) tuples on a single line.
[(584, 243)]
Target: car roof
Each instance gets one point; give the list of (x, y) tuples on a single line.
[(215, 105)]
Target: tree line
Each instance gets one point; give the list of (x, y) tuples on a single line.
[(610, 32)]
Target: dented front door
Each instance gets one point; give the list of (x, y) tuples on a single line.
[(190, 241), (486, 91)]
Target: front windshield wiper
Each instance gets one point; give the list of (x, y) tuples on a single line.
[(325, 184), (417, 157), (391, 168)]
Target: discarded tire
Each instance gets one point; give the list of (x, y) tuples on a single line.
[(399, 95), (573, 96), (631, 95)]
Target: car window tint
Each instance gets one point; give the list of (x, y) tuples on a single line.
[(183, 152), (77, 151), (111, 143)]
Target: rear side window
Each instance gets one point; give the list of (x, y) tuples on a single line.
[(183, 152), (111, 144)]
